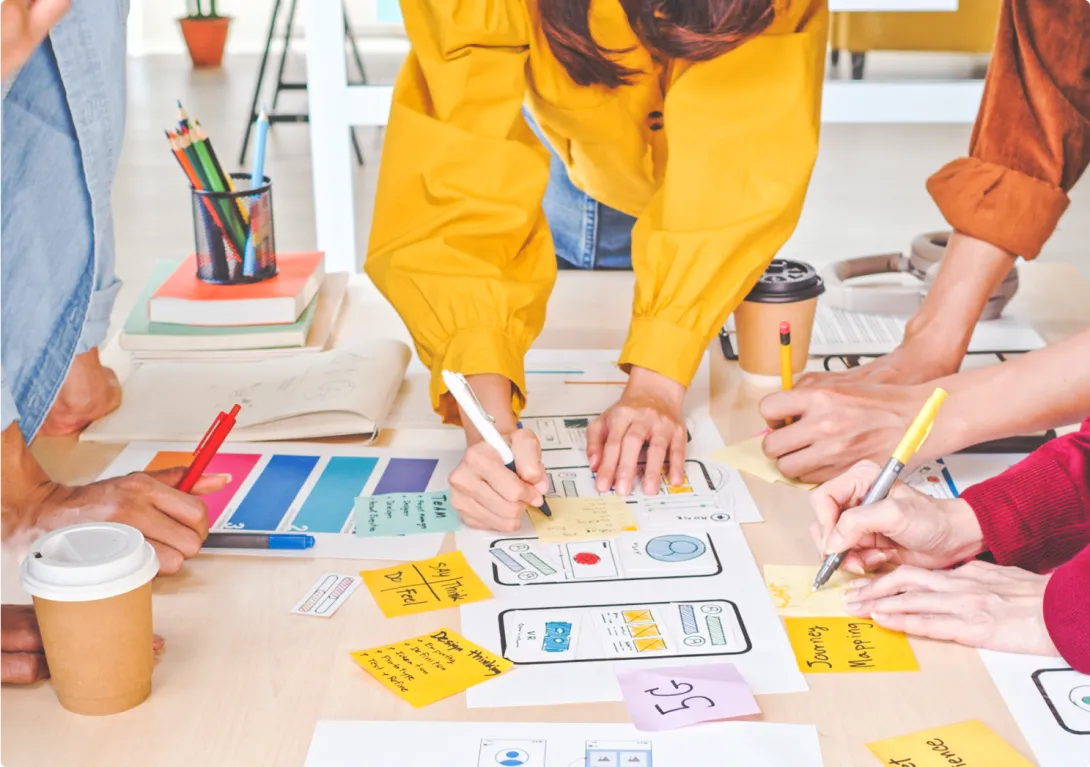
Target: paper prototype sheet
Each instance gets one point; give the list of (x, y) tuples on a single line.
[(1051, 703), (328, 593), (965, 743), (307, 487), (511, 744), (645, 599)]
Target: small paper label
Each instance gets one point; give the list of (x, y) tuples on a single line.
[(328, 593)]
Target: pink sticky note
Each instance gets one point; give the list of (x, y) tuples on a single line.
[(668, 698)]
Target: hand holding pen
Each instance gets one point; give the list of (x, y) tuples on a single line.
[(496, 480), (885, 480)]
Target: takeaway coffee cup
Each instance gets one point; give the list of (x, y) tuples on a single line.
[(787, 291), (91, 586)]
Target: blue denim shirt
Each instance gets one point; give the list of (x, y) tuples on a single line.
[(63, 125)]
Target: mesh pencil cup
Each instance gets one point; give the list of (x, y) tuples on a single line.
[(233, 233)]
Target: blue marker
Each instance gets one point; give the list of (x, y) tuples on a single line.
[(257, 176), (258, 541)]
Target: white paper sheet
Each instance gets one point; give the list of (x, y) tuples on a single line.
[(342, 544), (1051, 703), (482, 744), (680, 598)]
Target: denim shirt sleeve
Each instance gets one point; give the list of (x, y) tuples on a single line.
[(103, 294), (9, 413)]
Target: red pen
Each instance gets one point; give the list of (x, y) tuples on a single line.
[(207, 448)]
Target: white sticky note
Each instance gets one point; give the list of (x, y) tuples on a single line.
[(327, 594)]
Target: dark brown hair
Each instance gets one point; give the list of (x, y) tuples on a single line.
[(696, 30)]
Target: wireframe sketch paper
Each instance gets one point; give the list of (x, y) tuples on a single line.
[(305, 488), (569, 614), (1051, 703), (333, 393), (507, 744)]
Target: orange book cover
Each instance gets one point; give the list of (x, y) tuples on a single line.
[(293, 271)]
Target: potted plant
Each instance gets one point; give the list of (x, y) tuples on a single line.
[(205, 33)]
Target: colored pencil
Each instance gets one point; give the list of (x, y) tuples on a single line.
[(197, 173), (257, 176)]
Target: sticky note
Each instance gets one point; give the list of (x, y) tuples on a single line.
[(749, 457), (672, 697), (966, 743), (404, 514), (790, 587), (583, 519), (838, 645), (431, 667), (445, 580), (327, 594)]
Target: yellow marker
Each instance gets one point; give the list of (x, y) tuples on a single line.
[(910, 443), (786, 378)]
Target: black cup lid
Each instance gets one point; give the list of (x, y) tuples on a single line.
[(786, 281)]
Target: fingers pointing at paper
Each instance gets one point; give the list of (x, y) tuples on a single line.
[(648, 414)]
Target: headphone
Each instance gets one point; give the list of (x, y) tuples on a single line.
[(901, 300)]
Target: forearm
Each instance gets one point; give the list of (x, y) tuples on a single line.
[(493, 391), (24, 483), (1040, 390), (971, 271)]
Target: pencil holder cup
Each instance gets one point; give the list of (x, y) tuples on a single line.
[(233, 232)]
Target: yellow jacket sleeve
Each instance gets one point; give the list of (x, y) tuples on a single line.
[(742, 135), (459, 242)]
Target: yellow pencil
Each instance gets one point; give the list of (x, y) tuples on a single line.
[(786, 379)]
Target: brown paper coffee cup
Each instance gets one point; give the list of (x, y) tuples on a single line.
[(91, 586), (100, 653), (787, 292)]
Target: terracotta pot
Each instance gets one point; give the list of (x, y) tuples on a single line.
[(205, 39)]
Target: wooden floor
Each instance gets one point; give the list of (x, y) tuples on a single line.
[(867, 194)]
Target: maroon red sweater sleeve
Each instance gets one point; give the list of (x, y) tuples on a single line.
[(1036, 515)]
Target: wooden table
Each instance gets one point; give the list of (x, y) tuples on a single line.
[(242, 682)]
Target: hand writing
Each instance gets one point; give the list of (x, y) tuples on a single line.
[(487, 494)]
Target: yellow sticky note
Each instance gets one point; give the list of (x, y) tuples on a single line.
[(848, 645), (446, 580), (749, 457), (583, 519), (431, 667), (966, 743), (790, 587)]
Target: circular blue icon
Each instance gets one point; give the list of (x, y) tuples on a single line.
[(675, 548), (512, 757)]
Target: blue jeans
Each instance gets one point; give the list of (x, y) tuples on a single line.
[(586, 233)]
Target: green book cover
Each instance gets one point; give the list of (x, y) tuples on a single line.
[(138, 327)]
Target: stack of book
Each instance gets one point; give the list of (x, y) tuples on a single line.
[(180, 317)]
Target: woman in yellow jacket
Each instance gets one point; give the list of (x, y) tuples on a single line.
[(683, 133)]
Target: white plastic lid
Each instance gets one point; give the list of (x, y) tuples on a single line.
[(82, 563)]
